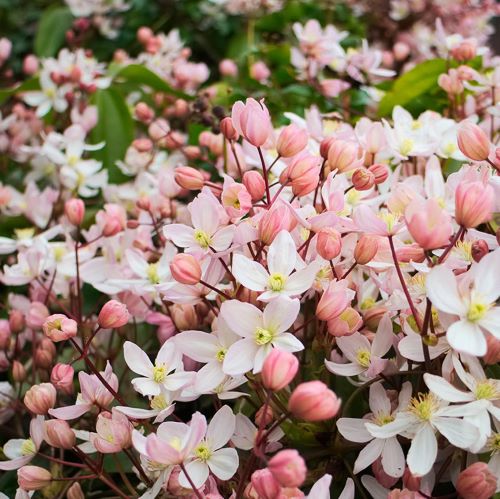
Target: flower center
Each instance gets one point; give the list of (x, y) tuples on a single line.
[(363, 357), (494, 443), (424, 405), (159, 373), (158, 403), (202, 238), (367, 303), (24, 233), (152, 273), (464, 250), (277, 282), (389, 219), (406, 146), (28, 447), (487, 390), (221, 354), (263, 336), (203, 452), (477, 310), (175, 443), (382, 419)]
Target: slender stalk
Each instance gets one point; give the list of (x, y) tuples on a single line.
[(264, 174), (193, 486), (450, 246)]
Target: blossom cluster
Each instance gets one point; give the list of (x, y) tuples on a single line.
[(279, 305)]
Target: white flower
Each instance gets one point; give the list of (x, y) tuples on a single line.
[(245, 434), (261, 332), (472, 299), (282, 260), (160, 374)]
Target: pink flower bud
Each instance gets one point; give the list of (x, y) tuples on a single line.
[(45, 353), (59, 434), (288, 467), (264, 417), (33, 478), (30, 65), (291, 141), (40, 398), (227, 129), (476, 482), (16, 321), (334, 300), (279, 369), (259, 71), (493, 353), (142, 145), (143, 203), (251, 119), (329, 243), (324, 147), (62, 377), (113, 315), (302, 173), (472, 141), (479, 249), (313, 401), (348, 322), (189, 178), (411, 482), (143, 112), (382, 477), (114, 432), (228, 67), (404, 494), (264, 483), (185, 269), (144, 34), (401, 51), (474, 203), (380, 171), (255, 184), (451, 82), (5, 49), (343, 156), (74, 209), (75, 492), (5, 334), (275, 220), (18, 371), (429, 225), (363, 179), (112, 220), (58, 327), (465, 50), (333, 87), (37, 314), (366, 248)]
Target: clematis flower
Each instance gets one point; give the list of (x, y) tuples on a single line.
[(472, 298), (209, 454), (260, 332), (356, 430), (279, 279), (365, 357), (246, 432), (157, 375), (113, 432)]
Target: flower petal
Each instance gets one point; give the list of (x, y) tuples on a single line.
[(251, 274), (240, 357), (221, 427), (224, 463), (423, 451), (467, 337)]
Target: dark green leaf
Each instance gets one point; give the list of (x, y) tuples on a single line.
[(52, 30), (115, 127), (413, 84), (31, 84)]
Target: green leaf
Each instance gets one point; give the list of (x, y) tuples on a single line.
[(412, 85), (31, 84), (115, 127), (141, 75), (52, 31)]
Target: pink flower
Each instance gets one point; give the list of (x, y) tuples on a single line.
[(58, 327), (472, 141), (313, 401), (288, 467), (474, 203), (251, 119), (113, 432), (40, 398), (279, 369), (113, 315)]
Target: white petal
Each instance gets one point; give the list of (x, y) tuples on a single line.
[(146, 386), (441, 285), (242, 318), (348, 369), (486, 280), (466, 337), (197, 471), (491, 322), (282, 254), (240, 357), (302, 280), (400, 424), (347, 492), (393, 458), (321, 489), (369, 453), (445, 390), (423, 451), (223, 238), (224, 463), (221, 427), (376, 490), (288, 342), (354, 430), (209, 377), (458, 432), (137, 360), (197, 345), (379, 401), (251, 274), (280, 314), (383, 337)]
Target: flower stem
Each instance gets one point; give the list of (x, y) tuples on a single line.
[(195, 490)]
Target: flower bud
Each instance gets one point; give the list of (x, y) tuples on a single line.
[(472, 141), (228, 130), (74, 209), (58, 327), (451, 82), (40, 398), (113, 315), (493, 353), (251, 119), (75, 492), (291, 141), (30, 65), (474, 203), (279, 369), (264, 417), (264, 483), (45, 353), (380, 171), (401, 51), (185, 269), (259, 71), (227, 67), (366, 248), (184, 316), (16, 321), (255, 184), (62, 377), (144, 34), (275, 220), (465, 50), (18, 372), (343, 155), (411, 482), (5, 334), (59, 434), (348, 322), (33, 478), (479, 249), (334, 300), (302, 173), (329, 243), (325, 145), (313, 401), (143, 112), (476, 482), (189, 178), (382, 477), (142, 145), (288, 467), (363, 179), (114, 432)]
